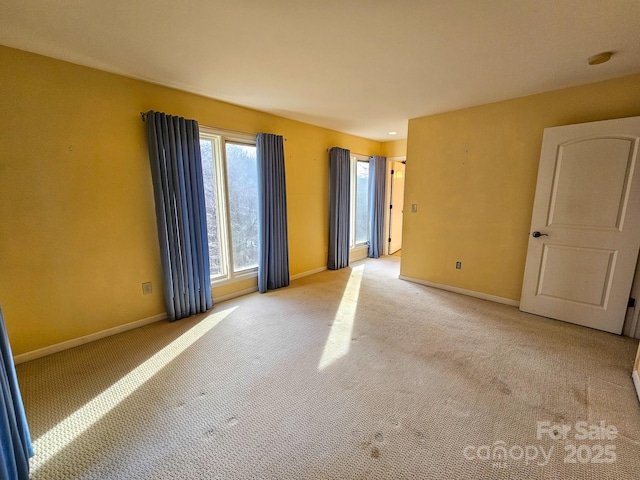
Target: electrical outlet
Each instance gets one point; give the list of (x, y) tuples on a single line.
[(458, 265), (414, 208), (147, 288)]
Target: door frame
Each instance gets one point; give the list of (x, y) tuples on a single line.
[(635, 375), (631, 326), (387, 199)]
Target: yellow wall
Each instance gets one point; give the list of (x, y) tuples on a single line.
[(78, 234), (395, 148), (473, 174)]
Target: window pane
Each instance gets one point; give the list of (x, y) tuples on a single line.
[(362, 202), (209, 177), (242, 179)]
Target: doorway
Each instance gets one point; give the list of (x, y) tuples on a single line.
[(395, 205)]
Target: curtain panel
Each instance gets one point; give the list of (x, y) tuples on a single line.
[(273, 243), (15, 441), (176, 168), (377, 175), (339, 207)]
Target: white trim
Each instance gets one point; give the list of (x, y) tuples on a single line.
[(237, 277), (462, 291), (76, 342), (636, 382), (231, 135), (231, 295), (307, 273)]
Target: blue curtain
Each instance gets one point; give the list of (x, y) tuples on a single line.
[(176, 168), (377, 175), (15, 442), (339, 207), (273, 244)]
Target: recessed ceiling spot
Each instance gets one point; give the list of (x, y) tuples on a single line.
[(393, 133), (600, 58)]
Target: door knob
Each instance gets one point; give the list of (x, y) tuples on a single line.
[(538, 234)]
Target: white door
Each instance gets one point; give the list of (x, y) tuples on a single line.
[(585, 227), (397, 201)]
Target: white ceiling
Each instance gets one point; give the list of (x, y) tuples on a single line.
[(358, 66)]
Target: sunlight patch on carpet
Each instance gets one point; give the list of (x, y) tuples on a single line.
[(64, 433), (339, 339)]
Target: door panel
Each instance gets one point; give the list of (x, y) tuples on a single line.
[(587, 210), (594, 165), (581, 275)]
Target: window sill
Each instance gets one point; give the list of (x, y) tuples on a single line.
[(228, 288), (237, 277), (358, 252)]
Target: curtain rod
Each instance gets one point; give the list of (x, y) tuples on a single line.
[(223, 130), (353, 153)]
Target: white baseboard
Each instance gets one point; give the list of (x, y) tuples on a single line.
[(307, 273), (76, 342), (636, 382), (470, 293)]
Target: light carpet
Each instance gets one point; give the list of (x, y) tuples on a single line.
[(349, 374)]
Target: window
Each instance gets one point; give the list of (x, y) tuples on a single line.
[(359, 200), (242, 181), (231, 196)]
